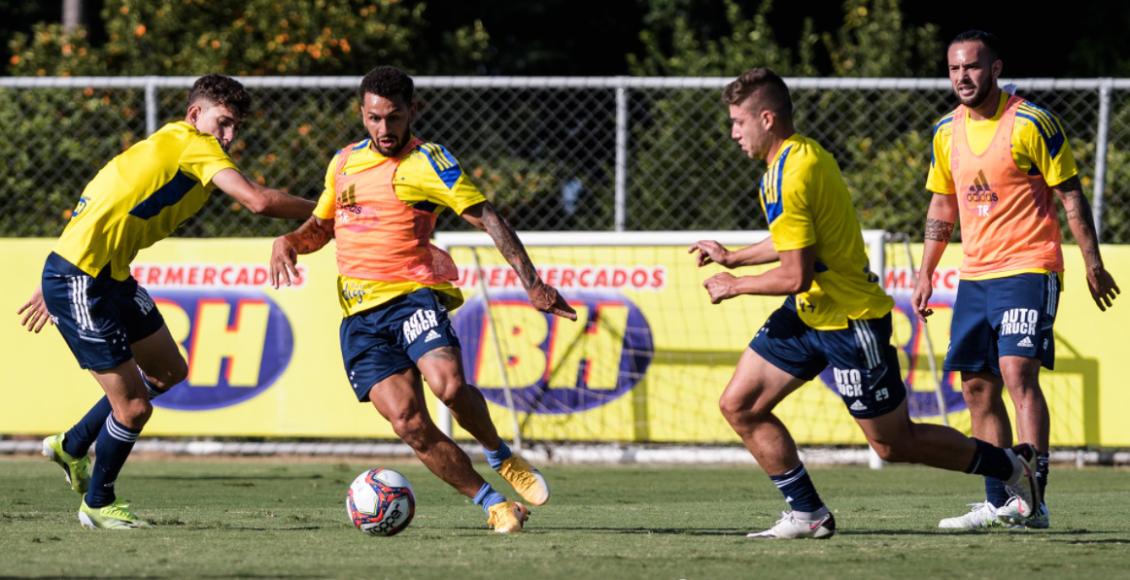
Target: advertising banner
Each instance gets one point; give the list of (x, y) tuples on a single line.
[(646, 361)]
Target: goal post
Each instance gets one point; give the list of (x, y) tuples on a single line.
[(649, 355)]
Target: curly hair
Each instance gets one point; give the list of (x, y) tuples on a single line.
[(766, 88), (387, 81), (223, 91)]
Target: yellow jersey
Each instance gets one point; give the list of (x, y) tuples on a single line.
[(140, 197), (807, 204), (429, 179), (1038, 146)]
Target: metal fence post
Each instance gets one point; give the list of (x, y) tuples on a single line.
[(621, 156), (150, 105), (1100, 157)]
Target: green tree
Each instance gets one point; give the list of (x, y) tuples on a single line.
[(248, 37), (713, 187)]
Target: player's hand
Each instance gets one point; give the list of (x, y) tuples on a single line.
[(920, 300), (546, 299), (710, 251), (721, 286), (1102, 286), (284, 263), (36, 309)]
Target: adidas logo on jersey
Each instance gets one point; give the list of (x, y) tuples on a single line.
[(432, 335), (858, 406), (1026, 343)]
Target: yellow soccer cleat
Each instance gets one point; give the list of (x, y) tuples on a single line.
[(525, 479), (77, 471), (507, 517), (116, 516)]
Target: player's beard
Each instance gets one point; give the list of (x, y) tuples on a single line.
[(978, 97), (401, 141)]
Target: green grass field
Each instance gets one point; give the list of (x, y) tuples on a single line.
[(282, 518)]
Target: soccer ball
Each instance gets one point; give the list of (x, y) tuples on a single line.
[(381, 502)]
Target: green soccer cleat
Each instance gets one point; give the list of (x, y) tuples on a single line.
[(77, 471), (116, 516)]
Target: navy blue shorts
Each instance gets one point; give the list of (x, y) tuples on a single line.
[(99, 317), (865, 365), (1010, 316), (382, 341)]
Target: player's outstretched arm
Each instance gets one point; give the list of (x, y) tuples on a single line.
[(310, 237), (37, 315), (710, 251), (262, 200), (940, 219), (795, 274), (543, 296), (1082, 223)]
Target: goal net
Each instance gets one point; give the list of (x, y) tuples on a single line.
[(649, 355)]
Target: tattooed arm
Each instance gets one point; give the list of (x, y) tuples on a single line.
[(940, 219), (1082, 223), (310, 237), (543, 297)]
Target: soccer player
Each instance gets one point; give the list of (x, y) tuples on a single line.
[(381, 199), (835, 314), (997, 159), (109, 322)]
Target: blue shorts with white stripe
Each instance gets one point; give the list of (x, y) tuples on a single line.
[(864, 364), (98, 316), (1010, 316)]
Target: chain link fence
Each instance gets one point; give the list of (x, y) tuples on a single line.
[(578, 154)]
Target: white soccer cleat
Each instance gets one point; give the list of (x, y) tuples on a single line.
[(983, 515), (1024, 487), (790, 527), (1009, 515)]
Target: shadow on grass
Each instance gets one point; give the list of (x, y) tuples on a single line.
[(1002, 532), (1115, 541), (218, 478), (155, 577)]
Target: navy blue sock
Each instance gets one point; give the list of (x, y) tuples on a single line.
[(990, 461), (496, 457), (488, 497), (798, 490), (995, 493), (114, 444), (78, 440), (1042, 473)]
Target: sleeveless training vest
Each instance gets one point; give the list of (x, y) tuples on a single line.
[(379, 237), (1008, 217)]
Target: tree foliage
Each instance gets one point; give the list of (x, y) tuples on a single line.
[(249, 37)]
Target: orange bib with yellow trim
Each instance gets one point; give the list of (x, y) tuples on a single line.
[(1008, 217), (378, 236)]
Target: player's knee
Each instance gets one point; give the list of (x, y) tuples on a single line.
[(737, 411), (134, 413), (169, 377), (980, 395), (450, 390), (894, 451)]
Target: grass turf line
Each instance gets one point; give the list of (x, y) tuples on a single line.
[(259, 519)]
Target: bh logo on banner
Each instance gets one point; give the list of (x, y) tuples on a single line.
[(554, 365), (237, 343)]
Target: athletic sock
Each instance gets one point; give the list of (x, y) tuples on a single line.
[(995, 492), (798, 490), (79, 438), (77, 441), (1042, 473), (488, 497), (114, 444), (496, 457), (990, 461)]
